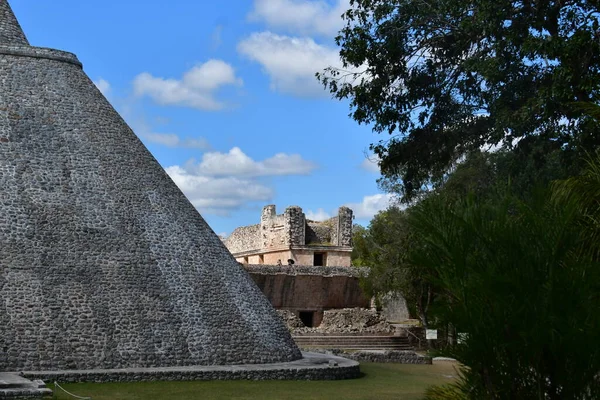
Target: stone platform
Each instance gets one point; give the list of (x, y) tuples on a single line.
[(13, 386), (312, 366)]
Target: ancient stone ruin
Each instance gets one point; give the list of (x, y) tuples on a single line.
[(103, 261), (280, 237)]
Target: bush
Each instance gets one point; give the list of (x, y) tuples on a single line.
[(522, 279), (445, 392)]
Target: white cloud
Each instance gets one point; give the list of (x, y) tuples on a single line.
[(291, 62), (103, 86), (218, 196), (196, 89), (371, 164), (371, 205), (173, 140), (224, 182), (301, 16), (319, 215), (237, 163), (144, 131)]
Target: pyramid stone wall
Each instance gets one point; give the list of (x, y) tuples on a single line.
[(104, 263), (10, 30)]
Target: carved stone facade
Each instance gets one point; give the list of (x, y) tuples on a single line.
[(291, 236)]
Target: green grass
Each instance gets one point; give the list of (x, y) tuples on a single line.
[(379, 381)]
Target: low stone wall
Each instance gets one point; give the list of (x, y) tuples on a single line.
[(308, 288), (313, 366), (389, 356), (23, 395), (263, 269)]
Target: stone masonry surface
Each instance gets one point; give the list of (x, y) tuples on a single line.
[(354, 272), (103, 261), (387, 356), (302, 288), (313, 366), (291, 230), (10, 30)]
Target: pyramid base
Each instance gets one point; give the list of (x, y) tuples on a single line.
[(15, 387), (312, 366)]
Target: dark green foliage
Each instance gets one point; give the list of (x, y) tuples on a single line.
[(522, 279), (445, 78), (383, 247), (445, 392)]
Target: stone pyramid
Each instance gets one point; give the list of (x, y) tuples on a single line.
[(104, 263)]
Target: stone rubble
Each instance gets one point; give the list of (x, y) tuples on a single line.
[(341, 321)]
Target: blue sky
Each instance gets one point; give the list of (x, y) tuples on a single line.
[(223, 94)]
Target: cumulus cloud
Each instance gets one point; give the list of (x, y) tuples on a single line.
[(144, 131), (219, 196), (173, 140), (301, 16), (223, 182), (290, 62), (103, 86), (196, 89), (237, 163), (319, 215), (371, 205)]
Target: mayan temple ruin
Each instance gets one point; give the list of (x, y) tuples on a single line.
[(104, 263)]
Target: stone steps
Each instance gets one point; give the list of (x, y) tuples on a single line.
[(13, 386), (354, 342)]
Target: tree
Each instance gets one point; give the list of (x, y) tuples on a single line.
[(521, 279), (383, 247), (445, 78)]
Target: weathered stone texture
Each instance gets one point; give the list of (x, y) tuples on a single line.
[(341, 322), (388, 356), (291, 236), (244, 238), (394, 307), (313, 366), (295, 226), (308, 287), (344, 229), (103, 261), (10, 30), (318, 233)]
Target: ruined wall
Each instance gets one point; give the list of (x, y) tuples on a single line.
[(318, 232), (277, 233), (282, 230), (344, 227), (244, 238), (333, 257), (300, 257), (309, 288), (272, 229), (295, 225)]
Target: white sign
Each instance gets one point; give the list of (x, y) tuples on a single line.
[(431, 334)]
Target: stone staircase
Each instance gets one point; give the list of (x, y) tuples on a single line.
[(13, 386), (354, 342)]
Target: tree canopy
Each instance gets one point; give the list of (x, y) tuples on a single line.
[(445, 78)]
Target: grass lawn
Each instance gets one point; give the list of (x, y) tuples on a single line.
[(379, 381)]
